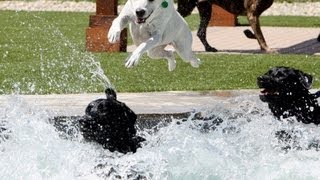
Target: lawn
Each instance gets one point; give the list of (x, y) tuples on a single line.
[(43, 52)]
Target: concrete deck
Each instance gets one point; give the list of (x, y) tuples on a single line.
[(140, 103)]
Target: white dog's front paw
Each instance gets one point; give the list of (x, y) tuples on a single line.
[(171, 65), (132, 60), (195, 63), (114, 34)]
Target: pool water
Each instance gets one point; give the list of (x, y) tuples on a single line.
[(243, 146)]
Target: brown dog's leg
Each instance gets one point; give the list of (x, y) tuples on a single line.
[(205, 9), (255, 25)]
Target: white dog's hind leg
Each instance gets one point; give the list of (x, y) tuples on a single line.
[(183, 47), (160, 52), (188, 56)]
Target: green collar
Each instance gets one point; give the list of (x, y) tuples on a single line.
[(164, 4)]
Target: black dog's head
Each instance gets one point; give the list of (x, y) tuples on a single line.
[(111, 123), (286, 90), (283, 83)]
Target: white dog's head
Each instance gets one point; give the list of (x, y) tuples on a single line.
[(144, 9)]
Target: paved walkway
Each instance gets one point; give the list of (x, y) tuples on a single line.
[(286, 40)]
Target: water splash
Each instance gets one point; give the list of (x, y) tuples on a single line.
[(58, 64), (87, 61), (243, 146)]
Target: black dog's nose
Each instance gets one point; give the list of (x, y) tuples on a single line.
[(140, 12), (260, 78), (261, 81)]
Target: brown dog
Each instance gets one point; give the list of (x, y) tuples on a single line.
[(251, 8)]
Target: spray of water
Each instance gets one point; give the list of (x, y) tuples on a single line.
[(88, 62), (243, 146), (61, 63)]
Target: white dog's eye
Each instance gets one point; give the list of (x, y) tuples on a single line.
[(151, 0)]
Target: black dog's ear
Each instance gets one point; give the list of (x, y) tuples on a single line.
[(306, 80), (92, 107), (111, 94)]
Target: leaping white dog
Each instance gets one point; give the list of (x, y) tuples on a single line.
[(153, 25)]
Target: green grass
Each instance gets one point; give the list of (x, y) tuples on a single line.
[(43, 52), (216, 72)]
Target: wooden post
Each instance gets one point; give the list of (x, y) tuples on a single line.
[(99, 25), (221, 17)]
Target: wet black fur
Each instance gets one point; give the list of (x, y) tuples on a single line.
[(286, 90), (111, 123)]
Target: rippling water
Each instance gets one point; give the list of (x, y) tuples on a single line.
[(243, 146)]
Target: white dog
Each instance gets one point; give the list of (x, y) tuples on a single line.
[(153, 25)]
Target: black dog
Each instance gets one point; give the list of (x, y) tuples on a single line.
[(251, 8), (111, 123), (286, 90)]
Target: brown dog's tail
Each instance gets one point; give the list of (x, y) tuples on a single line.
[(249, 34)]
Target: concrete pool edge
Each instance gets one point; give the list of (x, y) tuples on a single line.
[(168, 102)]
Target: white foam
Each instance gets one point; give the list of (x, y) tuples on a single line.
[(242, 147)]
